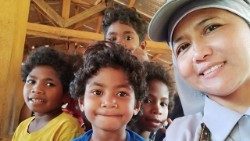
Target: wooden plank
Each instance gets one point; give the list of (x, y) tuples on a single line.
[(131, 3), (81, 2), (99, 24), (63, 32), (13, 22), (70, 33), (49, 12), (66, 9), (85, 14)]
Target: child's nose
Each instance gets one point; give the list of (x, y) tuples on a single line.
[(156, 109), (109, 102), (120, 41), (36, 89)]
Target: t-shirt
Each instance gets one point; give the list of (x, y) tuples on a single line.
[(64, 127), (131, 136)]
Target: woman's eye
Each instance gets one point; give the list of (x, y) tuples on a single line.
[(210, 28), (182, 48), (122, 94), (97, 92)]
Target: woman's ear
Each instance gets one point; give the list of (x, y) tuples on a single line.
[(137, 107), (81, 103)]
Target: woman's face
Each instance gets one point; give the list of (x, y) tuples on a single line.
[(212, 50)]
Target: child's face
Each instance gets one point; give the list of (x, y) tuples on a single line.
[(123, 34), (43, 90), (109, 100), (155, 106)]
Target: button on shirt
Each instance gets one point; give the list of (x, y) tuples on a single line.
[(223, 123)]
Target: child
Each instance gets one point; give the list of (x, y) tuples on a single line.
[(109, 86), (125, 26), (157, 104), (47, 75)]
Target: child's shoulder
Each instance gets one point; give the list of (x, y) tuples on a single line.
[(132, 136), (65, 118), (85, 137)]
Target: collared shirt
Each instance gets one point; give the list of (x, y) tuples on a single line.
[(223, 123)]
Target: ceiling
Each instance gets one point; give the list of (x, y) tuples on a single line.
[(70, 25)]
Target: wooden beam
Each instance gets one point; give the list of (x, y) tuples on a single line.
[(99, 24), (85, 14), (81, 2), (63, 32), (131, 3), (70, 34), (97, 2), (50, 12), (13, 22), (66, 9), (157, 56)]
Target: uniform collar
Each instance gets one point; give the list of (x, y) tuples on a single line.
[(219, 119)]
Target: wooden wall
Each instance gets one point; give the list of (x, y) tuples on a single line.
[(13, 22)]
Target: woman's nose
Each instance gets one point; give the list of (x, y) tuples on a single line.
[(201, 52)]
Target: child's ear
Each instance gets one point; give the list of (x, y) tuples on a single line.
[(66, 98), (137, 107), (81, 103), (143, 45)]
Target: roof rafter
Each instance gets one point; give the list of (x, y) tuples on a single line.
[(85, 14), (70, 34), (49, 12), (66, 9), (131, 3)]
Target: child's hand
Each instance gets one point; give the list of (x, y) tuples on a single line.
[(141, 54), (167, 122)]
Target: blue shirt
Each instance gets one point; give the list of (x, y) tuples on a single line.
[(223, 123), (131, 136)]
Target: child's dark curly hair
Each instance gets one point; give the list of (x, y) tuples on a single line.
[(46, 56), (156, 71), (126, 16), (106, 54)]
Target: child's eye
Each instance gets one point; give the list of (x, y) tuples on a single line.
[(164, 104), (147, 100), (182, 48), (111, 39), (50, 84), (122, 94), (210, 28), (30, 81), (96, 92), (128, 37)]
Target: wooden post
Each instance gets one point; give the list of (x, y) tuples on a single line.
[(13, 23)]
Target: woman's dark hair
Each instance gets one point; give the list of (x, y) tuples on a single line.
[(46, 56), (127, 16), (106, 54), (156, 71)]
